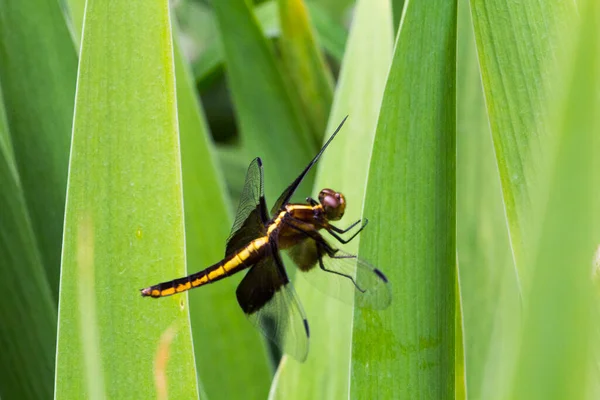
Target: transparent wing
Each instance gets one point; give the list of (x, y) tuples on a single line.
[(251, 215), (343, 275), (287, 194), (269, 301)]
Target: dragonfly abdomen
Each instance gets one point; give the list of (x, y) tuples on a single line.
[(224, 268)]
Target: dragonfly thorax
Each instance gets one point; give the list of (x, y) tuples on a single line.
[(333, 203)]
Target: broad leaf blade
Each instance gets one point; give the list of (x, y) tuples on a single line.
[(233, 341), (460, 381), (487, 275), (517, 47), (556, 359), (343, 167), (305, 65), (124, 221), (38, 67), (407, 351), (28, 310), (330, 33), (269, 119), (76, 11)]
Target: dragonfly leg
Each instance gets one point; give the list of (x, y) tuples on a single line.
[(312, 201), (322, 266), (332, 231), (325, 248), (339, 230)]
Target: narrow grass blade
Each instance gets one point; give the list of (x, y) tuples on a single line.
[(208, 64), (38, 70), (556, 360), (328, 31), (305, 65), (124, 219), (234, 170), (331, 33), (344, 168), (28, 310), (517, 48), (487, 275), (225, 335), (6, 149), (76, 9), (460, 378), (407, 351), (397, 7), (269, 119)]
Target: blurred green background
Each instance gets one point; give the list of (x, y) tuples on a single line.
[(471, 146)]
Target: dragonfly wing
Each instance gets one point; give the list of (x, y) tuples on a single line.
[(289, 191), (344, 276), (251, 216), (269, 301), (371, 287)]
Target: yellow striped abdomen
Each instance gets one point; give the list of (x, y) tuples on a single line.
[(243, 259)]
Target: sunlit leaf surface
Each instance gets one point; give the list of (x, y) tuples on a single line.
[(343, 168), (407, 351), (124, 221)]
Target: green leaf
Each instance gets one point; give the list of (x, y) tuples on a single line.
[(460, 389), (234, 170), (76, 9), (488, 280), (28, 309), (305, 65), (6, 149), (269, 119), (124, 218), (556, 359), (343, 167), (208, 64), (225, 336), (397, 8), (38, 67), (331, 34), (407, 351), (517, 44)]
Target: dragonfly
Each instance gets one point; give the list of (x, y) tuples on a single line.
[(265, 294)]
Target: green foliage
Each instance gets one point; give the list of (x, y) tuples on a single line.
[(124, 224), (37, 85), (489, 286), (267, 123), (207, 219), (30, 316), (557, 337), (517, 45), (304, 64), (344, 168), (471, 148), (38, 66), (411, 195)]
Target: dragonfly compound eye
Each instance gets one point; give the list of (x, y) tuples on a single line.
[(334, 204)]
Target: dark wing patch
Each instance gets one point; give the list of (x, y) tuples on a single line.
[(271, 304), (251, 215), (289, 191), (304, 254)]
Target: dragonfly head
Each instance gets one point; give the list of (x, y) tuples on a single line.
[(334, 204)]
